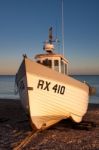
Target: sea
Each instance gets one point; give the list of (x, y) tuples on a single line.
[(8, 87)]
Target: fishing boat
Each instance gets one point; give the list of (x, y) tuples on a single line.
[(48, 94)]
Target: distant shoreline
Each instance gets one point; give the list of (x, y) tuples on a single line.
[(69, 75), (9, 99), (18, 99), (6, 100)]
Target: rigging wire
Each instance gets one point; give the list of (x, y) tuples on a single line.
[(62, 28)]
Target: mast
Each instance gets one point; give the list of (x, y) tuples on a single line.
[(50, 35), (48, 46), (62, 28)]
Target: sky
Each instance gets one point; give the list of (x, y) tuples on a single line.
[(24, 27)]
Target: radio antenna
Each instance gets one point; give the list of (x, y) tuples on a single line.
[(62, 28)]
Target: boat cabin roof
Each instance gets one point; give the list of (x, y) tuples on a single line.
[(52, 55)]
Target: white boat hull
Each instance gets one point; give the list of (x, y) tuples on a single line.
[(49, 96)]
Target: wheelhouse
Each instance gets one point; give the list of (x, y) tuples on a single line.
[(54, 61), (50, 59)]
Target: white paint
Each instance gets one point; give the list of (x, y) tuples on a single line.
[(47, 107)]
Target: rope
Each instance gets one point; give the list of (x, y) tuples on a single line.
[(26, 141)]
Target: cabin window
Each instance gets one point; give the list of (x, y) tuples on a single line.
[(56, 65), (47, 63), (65, 68), (38, 61), (62, 67)]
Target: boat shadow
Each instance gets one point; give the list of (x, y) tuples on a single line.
[(68, 124)]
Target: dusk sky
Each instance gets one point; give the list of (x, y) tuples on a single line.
[(24, 27)]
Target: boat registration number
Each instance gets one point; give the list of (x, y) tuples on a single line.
[(56, 88)]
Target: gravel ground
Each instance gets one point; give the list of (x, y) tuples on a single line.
[(16, 132)]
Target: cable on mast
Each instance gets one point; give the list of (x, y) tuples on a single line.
[(62, 28)]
